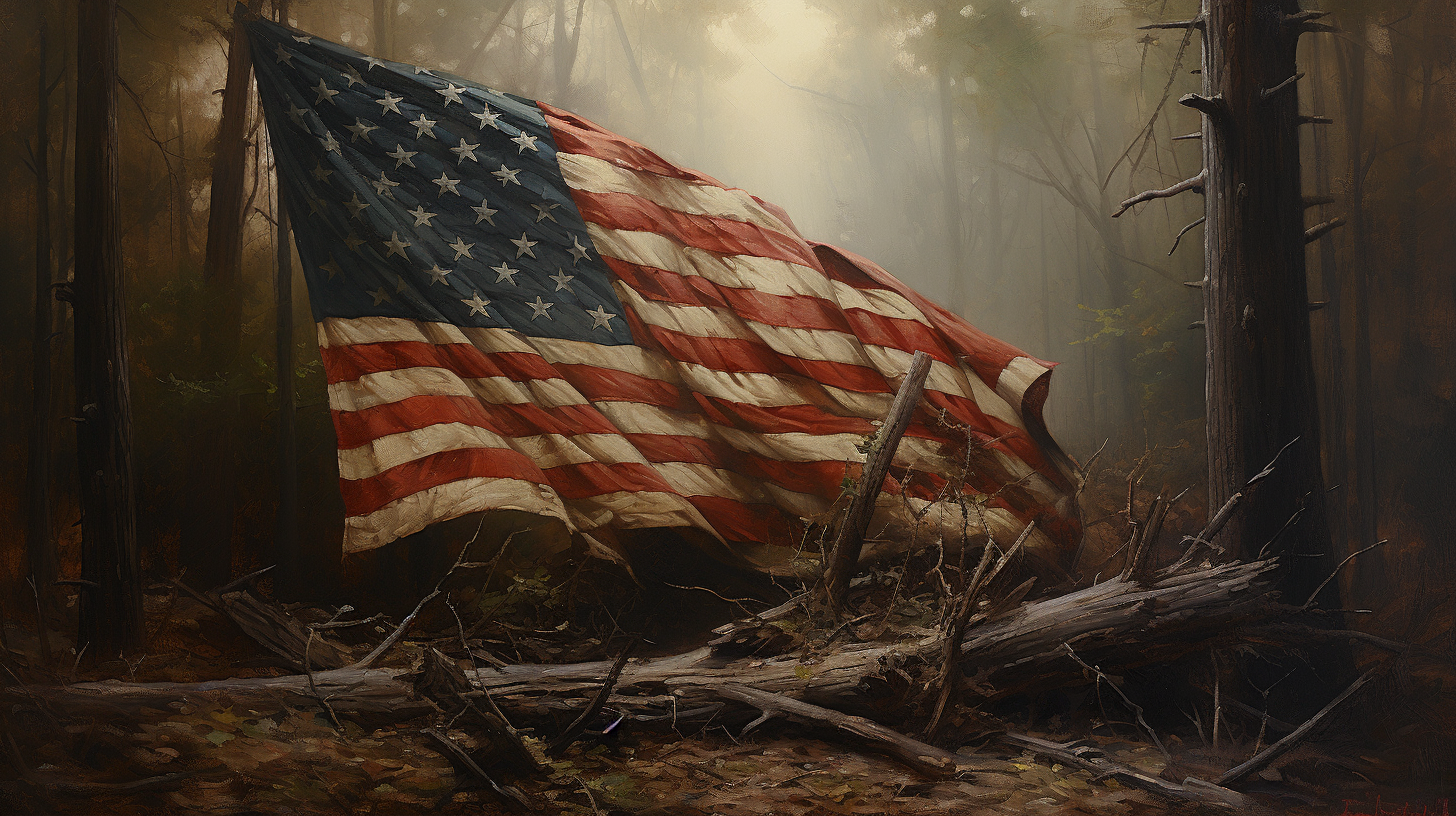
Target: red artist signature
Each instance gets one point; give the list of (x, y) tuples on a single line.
[(1354, 808)]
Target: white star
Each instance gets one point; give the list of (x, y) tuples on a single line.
[(422, 218), (601, 318), (484, 213), (390, 102), (578, 252), (506, 175), (324, 93), (301, 39), (505, 273), (282, 56), (525, 140), (396, 246), (544, 212), (462, 249), (351, 76), (466, 150), (447, 183), (361, 130), (523, 245), (425, 71), (437, 274), (331, 268), (355, 205), (477, 305), (424, 127), (321, 173), (487, 117), (316, 205), (380, 296), (331, 144), (399, 284), (538, 309), (353, 242), (451, 94), (373, 63), (563, 281), (402, 156), (385, 186), (296, 113)]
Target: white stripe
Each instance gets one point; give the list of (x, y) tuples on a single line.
[(385, 387), (412, 513), (1016, 377), (596, 175), (767, 275), (544, 450)]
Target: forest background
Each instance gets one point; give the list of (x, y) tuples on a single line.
[(978, 151)]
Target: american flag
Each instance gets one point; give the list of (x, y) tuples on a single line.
[(518, 309)]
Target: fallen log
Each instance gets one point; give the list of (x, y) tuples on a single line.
[(1118, 624)]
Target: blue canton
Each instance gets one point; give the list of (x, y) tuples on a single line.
[(426, 196)]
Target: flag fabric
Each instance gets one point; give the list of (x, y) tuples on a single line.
[(518, 309)]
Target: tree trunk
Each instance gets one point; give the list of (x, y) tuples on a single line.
[(207, 530), (631, 57), (950, 189), (111, 610), (1260, 379), (285, 539), (39, 548), (181, 201), (1337, 464), (1367, 519)]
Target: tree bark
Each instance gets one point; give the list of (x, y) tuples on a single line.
[(285, 539), (39, 547), (110, 609), (1260, 378), (207, 530)]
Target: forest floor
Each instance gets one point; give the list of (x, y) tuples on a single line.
[(227, 759)]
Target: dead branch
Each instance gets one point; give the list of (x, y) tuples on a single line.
[(313, 686), (1136, 709), (1265, 94), (1320, 230), (1094, 760), (849, 542), (1196, 22), (927, 759), (578, 725), (1309, 602), (1211, 106), (1183, 232), (1262, 759), (454, 752), (1194, 184)]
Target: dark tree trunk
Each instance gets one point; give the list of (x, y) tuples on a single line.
[(181, 202), (1337, 461), (207, 530), (39, 549), (1366, 525), (285, 540), (1260, 380), (111, 610)]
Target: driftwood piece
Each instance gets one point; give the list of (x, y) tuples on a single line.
[(1094, 760), (1116, 624), (849, 541), (927, 759)]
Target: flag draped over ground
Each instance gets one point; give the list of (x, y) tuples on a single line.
[(518, 309)]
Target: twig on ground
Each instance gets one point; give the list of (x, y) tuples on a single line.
[(460, 755), (1137, 710), (578, 725), (592, 799), (313, 687), (1262, 759)]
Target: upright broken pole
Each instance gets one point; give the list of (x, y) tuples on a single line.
[(849, 541), (111, 603)]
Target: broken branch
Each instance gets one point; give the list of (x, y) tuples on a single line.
[(1194, 184), (1184, 232), (1262, 759), (1318, 231)]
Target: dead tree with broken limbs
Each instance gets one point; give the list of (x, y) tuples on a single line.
[(1260, 377)]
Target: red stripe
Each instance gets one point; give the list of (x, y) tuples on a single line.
[(361, 427), (725, 236), (345, 363), (751, 523), (574, 134), (575, 481)]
